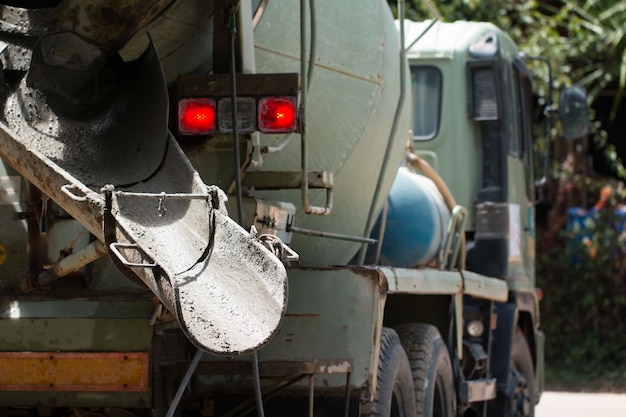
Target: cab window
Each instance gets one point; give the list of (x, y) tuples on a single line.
[(426, 85)]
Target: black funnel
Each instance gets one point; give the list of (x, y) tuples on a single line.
[(110, 116)]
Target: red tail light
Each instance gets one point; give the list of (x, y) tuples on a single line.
[(277, 114), (196, 116)]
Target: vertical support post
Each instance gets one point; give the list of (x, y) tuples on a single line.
[(221, 36), (311, 394), (458, 318)]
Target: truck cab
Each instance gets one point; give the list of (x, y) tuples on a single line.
[(472, 122)]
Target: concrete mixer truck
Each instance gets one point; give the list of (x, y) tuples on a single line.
[(226, 207)]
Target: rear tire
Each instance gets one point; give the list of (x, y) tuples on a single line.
[(395, 396), (431, 368)]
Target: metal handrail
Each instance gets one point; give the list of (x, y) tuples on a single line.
[(452, 244), (305, 75)]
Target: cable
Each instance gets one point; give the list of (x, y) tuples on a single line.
[(184, 383), (233, 91)]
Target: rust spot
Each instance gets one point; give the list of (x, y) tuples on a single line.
[(376, 338), (383, 284)]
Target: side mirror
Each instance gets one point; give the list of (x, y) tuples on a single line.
[(574, 113)]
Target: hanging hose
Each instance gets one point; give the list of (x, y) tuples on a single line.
[(184, 383), (428, 171), (232, 27)]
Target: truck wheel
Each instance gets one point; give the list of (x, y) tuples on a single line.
[(394, 384), (521, 391), (432, 369)]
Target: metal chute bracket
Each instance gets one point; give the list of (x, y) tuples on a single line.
[(115, 247), (275, 245), (153, 210)]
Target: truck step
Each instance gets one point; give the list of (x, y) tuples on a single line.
[(477, 390)]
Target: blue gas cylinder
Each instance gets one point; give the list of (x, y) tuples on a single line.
[(416, 222)]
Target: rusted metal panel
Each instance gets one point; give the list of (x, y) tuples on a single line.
[(74, 371), (87, 337)]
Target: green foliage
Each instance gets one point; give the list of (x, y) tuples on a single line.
[(584, 40), (596, 56), (582, 274)]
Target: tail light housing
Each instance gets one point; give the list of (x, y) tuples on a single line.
[(246, 115), (196, 116), (265, 102), (277, 114)]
